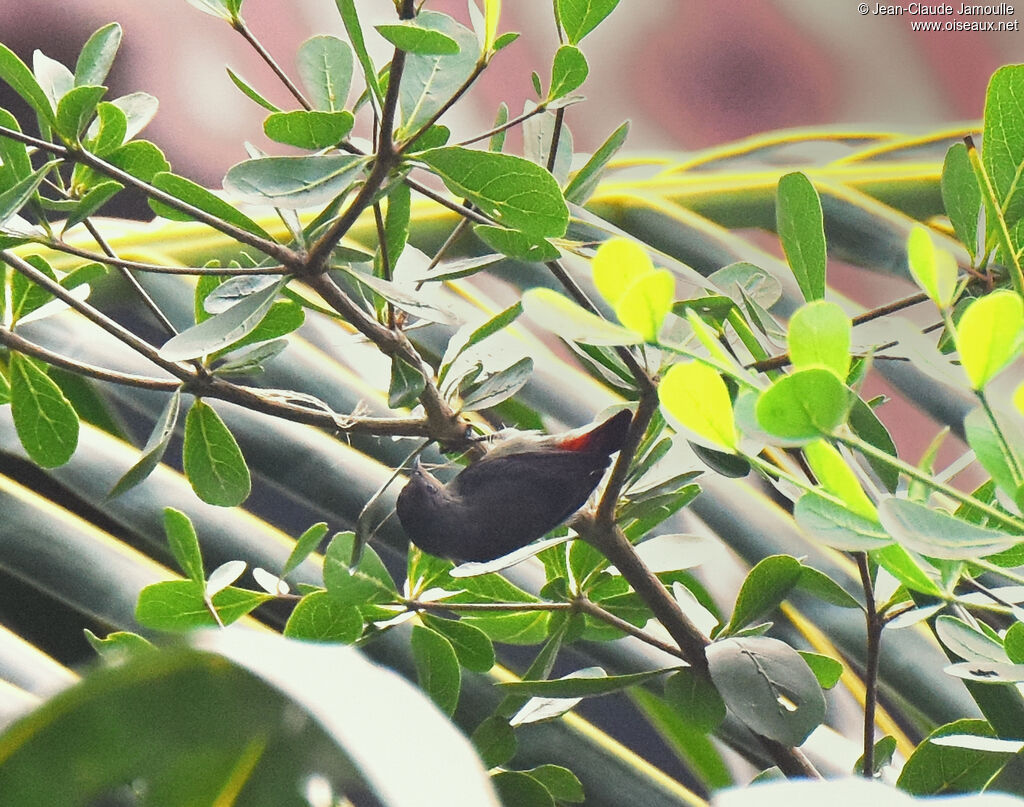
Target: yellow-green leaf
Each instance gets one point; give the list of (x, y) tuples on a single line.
[(990, 335), (934, 269), (617, 264), (835, 475), (695, 397), (819, 336), (645, 304)]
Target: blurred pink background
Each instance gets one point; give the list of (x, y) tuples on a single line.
[(688, 74)]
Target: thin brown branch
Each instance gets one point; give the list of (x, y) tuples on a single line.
[(115, 329), (240, 26), (593, 609), (156, 268), (22, 345)]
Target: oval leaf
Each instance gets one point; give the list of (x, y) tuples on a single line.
[(695, 396), (212, 459), (937, 534), (512, 190), (766, 684), (44, 419)]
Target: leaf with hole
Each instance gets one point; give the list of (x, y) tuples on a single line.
[(768, 686)]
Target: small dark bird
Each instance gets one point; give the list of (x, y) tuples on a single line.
[(521, 489)]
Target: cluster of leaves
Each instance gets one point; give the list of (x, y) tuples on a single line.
[(704, 368)]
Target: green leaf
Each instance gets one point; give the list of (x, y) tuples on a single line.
[(568, 71), (763, 590), (97, 56), (223, 329), (5, 388), (989, 335), (396, 221), (437, 668), (516, 244), (325, 69), (801, 229), (1001, 452), (180, 605), (937, 534), (430, 80), (768, 686), (27, 296), (823, 587), (827, 670), (250, 92), (215, 8), (294, 182), (837, 477), (584, 181), (512, 190), (319, 617), (107, 133), (118, 646), (495, 741), (497, 140), (549, 309), (693, 395), (407, 382), (819, 336), (579, 17), (902, 565), (561, 783), (139, 109), (937, 769), (93, 200), (14, 198), (155, 447), (347, 9), (368, 582), (308, 129), (188, 191), (304, 546), (76, 109), (498, 386), (414, 38), (212, 459), (644, 305), (838, 527), (184, 542), (44, 419), (1013, 643), (16, 73), (961, 197), (1003, 152), (14, 155), (472, 647), (968, 642), (518, 629), (140, 158), (586, 683), (804, 405), (866, 425), (695, 699), (521, 789), (54, 78), (934, 269), (884, 750)]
